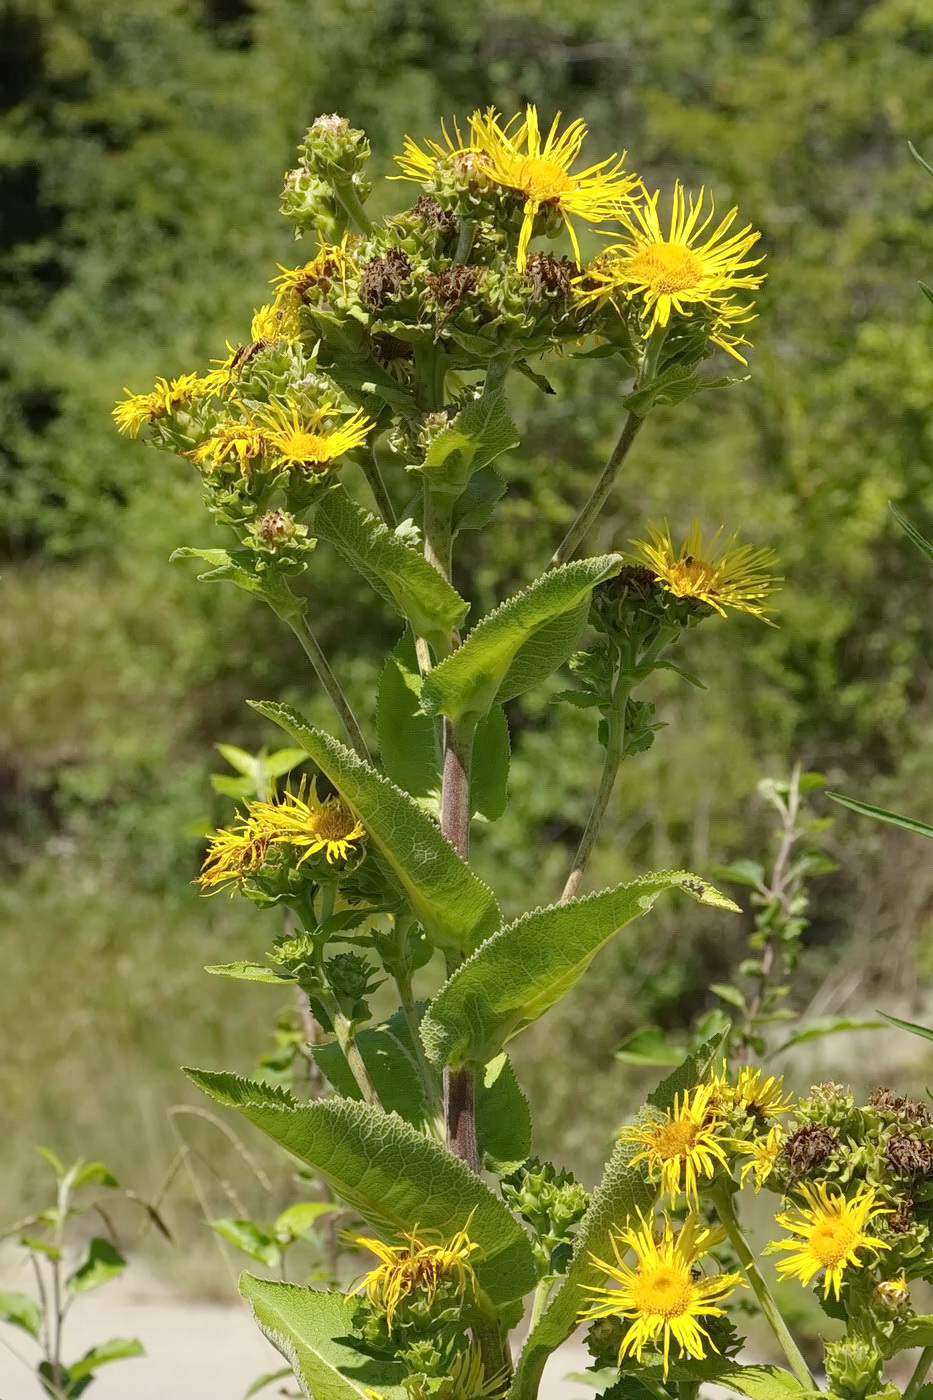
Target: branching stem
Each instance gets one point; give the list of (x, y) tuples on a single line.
[(615, 745), (298, 622)]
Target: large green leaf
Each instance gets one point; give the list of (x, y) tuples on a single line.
[(503, 1119), (491, 754), (623, 1194), (312, 1331), (520, 972), (763, 1383), (395, 1178), (526, 637), (456, 909), (399, 573)]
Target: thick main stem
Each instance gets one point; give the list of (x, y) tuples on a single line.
[(298, 622), (374, 477), (615, 743), (725, 1209), (920, 1374)]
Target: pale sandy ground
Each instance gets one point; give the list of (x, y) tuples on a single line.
[(194, 1351)]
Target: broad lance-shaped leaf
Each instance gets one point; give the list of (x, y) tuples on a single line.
[(521, 971), (544, 621), (312, 1329), (399, 573), (479, 434), (456, 909), (395, 1178), (503, 1119), (624, 1193)]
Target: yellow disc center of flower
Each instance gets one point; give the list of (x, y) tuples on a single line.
[(666, 267), (831, 1241), (674, 1139), (690, 577), (663, 1291), (540, 179), (309, 447), (334, 823)]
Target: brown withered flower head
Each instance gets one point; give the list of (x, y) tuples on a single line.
[(808, 1147), (384, 277), (909, 1156)]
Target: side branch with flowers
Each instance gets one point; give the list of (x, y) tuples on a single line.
[(390, 350)]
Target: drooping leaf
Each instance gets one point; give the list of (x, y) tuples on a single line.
[(503, 1118), (396, 571), (118, 1349), (881, 815), (92, 1174), (313, 1331), (247, 1236), (520, 972), (243, 971), (526, 637), (454, 906), (407, 742), (20, 1311), (827, 1025), (395, 1178), (238, 566), (102, 1261), (925, 1032), (623, 1194)]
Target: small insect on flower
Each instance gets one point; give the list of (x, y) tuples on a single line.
[(680, 272), (310, 823), (417, 1268), (722, 575), (331, 264), (686, 1145), (763, 1155), (517, 157), (139, 409), (832, 1230), (666, 1293), (278, 321), (310, 442)]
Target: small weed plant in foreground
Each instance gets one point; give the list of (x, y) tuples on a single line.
[(382, 365)]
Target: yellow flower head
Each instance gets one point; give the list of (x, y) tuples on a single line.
[(681, 270), (309, 823), (722, 575), (331, 264), (894, 1292), (310, 442), (763, 1155), (280, 321), (133, 413), (423, 166), (517, 157), (665, 1293), (232, 857), (832, 1230), (755, 1094), (417, 1268), (687, 1144), (230, 440)]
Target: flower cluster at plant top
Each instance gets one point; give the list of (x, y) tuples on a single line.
[(374, 339), (857, 1191)]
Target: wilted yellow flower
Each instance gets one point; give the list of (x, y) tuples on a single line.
[(278, 321), (761, 1096), (517, 157), (331, 264), (232, 857), (894, 1292), (665, 1293), (133, 413), (230, 440), (309, 823), (679, 271), (762, 1157), (422, 165), (416, 1268), (310, 442), (722, 575), (831, 1230), (689, 1143)]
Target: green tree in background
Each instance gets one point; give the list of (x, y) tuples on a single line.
[(140, 159)]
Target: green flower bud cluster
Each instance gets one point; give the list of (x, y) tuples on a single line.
[(553, 1203), (352, 980)]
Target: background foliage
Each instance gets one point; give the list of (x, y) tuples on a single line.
[(141, 157)]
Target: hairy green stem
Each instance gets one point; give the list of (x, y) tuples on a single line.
[(497, 369), (919, 1374), (346, 195), (615, 744), (631, 426), (540, 1300), (346, 1038), (298, 622), (725, 1209), (493, 1342)]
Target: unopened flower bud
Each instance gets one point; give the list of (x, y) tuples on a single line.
[(332, 146)]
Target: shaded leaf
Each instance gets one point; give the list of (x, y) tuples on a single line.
[(116, 1350), (407, 741), (491, 753), (454, 906), (101, 1262), (479, 434), (20, 1311), (243, 971), (649, 1046), (246, 1236)]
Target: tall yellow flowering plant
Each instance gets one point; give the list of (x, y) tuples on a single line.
[(379, 372)]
